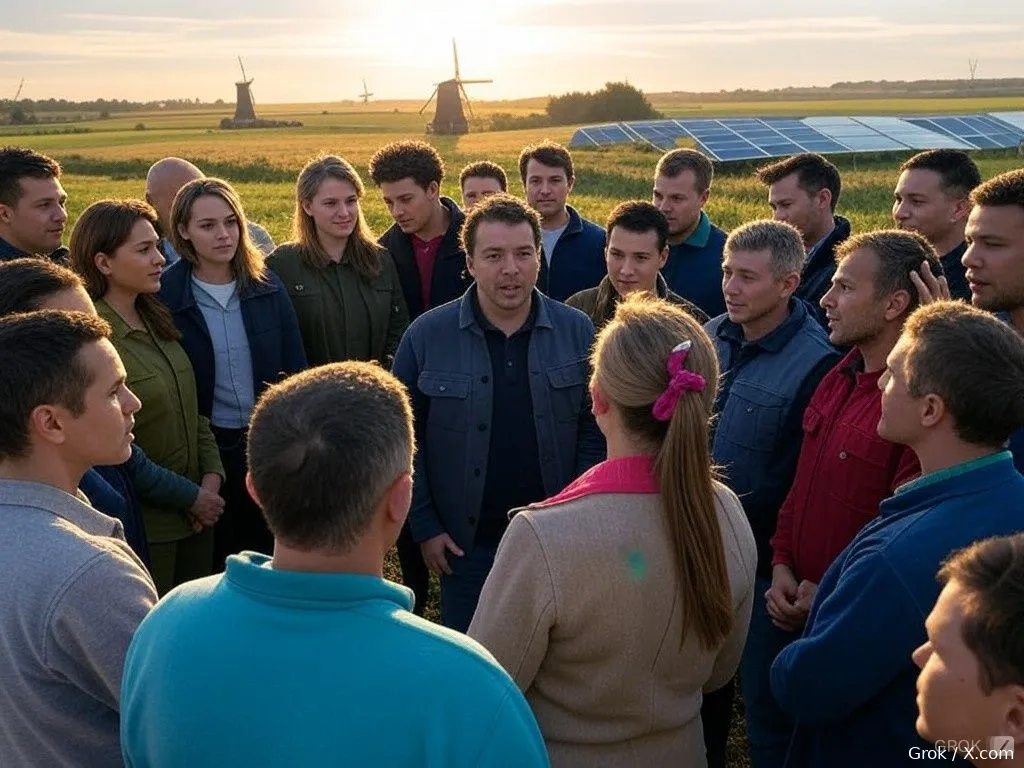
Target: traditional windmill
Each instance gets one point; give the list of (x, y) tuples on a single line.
[(365, 95), (245, 107), (449, 118)]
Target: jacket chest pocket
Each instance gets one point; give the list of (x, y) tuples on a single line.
[(863, 471), (752, 417), (449, 399), (567, 385)]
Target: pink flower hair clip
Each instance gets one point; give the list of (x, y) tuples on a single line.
[(679, 380)]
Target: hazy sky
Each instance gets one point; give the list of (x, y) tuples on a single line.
[(320, 49)]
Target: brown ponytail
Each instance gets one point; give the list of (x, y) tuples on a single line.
[(629, 361)]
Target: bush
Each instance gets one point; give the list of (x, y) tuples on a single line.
[(140, 126), (618, 101)]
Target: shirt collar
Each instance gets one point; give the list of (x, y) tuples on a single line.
[(469, 309), (817, 245), (775, 340), (8, 252), (699, 237), (47, 498), (956, 470), (254, 574), (486, 325)]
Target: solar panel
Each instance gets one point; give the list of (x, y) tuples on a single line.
[(853, 134), (1011, 119), (977, 131), (911, 135)]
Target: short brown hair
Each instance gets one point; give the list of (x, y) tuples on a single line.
[(899, 253), (781, 240), (638, 217), (42, 367), (1004, 189), (502, 208), (26, 283), (991, 572), (104, 227), (814, 173), (974, 362), (409, 159), (323, 447), (958, 173), (547, 153), (676, 161), (17, 163), (485, 169)]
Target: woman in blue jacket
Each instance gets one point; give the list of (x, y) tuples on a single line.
[(238, 328)]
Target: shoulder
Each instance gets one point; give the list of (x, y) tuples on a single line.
[(444, 318), (717, 235), (285, 256), (592, 229), (173, 279), (567, 318), (733, 520), (393, 238), (712, 325), (583, 301)]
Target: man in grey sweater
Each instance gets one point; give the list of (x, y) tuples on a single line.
[(72, 592)]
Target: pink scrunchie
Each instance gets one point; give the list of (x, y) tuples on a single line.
[(679, 380)]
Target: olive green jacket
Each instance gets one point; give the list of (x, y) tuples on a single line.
[(599, 303), (343, 316), (168, 427)]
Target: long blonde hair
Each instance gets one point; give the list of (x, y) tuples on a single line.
[(361, 250), (629, 362), (247, 264)]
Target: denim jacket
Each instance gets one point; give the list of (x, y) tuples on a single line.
[(766, 385), (444, 362)]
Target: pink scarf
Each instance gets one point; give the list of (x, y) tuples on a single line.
[(630, 474)]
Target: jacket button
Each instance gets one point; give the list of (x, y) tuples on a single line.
[(476, 472), (442, 388), (750, 409), (482, 427), (484, 379), (842, 454)]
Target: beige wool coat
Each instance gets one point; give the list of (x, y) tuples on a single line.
[(582, 609)]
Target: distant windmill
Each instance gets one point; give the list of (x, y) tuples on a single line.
[(17, 93), (365, 95), (245, 107), (449, 117)]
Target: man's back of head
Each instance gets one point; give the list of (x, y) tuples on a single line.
[(330, 454), (164, 179)]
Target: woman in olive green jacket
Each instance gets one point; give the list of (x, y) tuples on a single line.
[(343, 285), (113, 248)]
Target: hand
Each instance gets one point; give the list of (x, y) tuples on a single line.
[(782, 598), (208, 507), (929, 287), (805, 596), (212, 482), (434, 553), (194, 524)]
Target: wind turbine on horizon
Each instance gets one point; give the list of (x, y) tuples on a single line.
[(365, 95)]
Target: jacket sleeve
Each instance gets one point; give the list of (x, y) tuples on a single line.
[(868, 601), (209, 453), (424, 522), (159, 486), (94, 619), (728, 659), (517, 607), (398, 319), (293, 353), (590, 443)]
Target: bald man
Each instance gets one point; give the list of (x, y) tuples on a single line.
[(163, 181)]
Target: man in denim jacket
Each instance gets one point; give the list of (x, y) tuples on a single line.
[(498, 380)]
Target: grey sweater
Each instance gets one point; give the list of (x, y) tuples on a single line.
[(72, 593)]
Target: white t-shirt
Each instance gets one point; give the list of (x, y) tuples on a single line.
[(549, 237), (221, 292)]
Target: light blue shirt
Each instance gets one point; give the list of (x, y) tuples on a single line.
[(279, 668), (234, 395)]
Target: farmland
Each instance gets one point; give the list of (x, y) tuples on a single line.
[(110, 159)]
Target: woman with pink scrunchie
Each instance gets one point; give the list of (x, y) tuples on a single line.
[(616, 603)]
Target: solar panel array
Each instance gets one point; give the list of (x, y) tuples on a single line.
[(752, 138)]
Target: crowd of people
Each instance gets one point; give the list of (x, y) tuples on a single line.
[(649, 462)]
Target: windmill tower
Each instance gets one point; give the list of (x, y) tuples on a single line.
[(245, 107), (449, 117), (365, 95)]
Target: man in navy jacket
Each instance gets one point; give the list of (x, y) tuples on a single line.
[(573, 247), (953, 393), (498, 381)]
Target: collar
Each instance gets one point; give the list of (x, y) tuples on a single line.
[(852, 365), (47, 498), (955, 471), (252, 573), (487, 325), (178, 293), (955, 254), (171, 255), (774, 341), (814, 249), (8, 252), (468, 310), (120, 329), (629, 474), (699, 237), (575, 223)]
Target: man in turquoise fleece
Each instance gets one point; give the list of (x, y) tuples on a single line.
[(311, 657), (954, 391)]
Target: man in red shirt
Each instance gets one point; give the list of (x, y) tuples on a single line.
[(845, 469), (424, 244)]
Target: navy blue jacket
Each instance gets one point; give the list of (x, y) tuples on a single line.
[(765, 387), (956, 273), (8, 253), (444, 362), (849, 681), (275, 343), (450, 278), (577, 262), (694, 267), (816, 278), (110, 490)]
